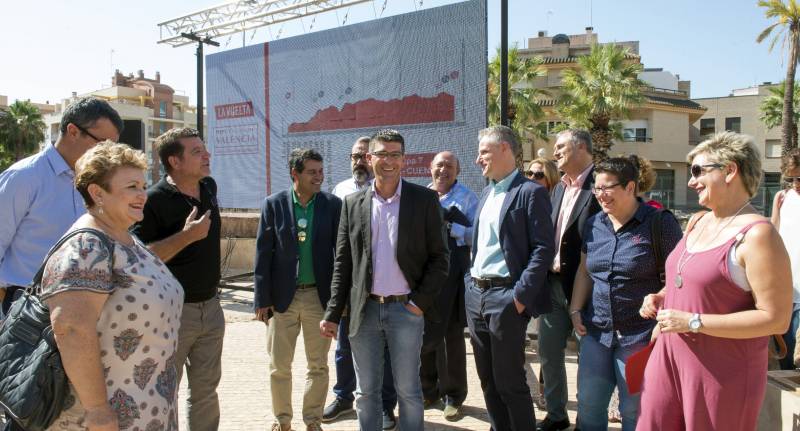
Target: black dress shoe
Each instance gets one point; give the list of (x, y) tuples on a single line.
[(335, 409), (389, 421), (550, 425)]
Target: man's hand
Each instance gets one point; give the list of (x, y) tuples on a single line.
[(197, 229), (520, 307), (328, 329), (102, 418), (413, 309), (263, 314)]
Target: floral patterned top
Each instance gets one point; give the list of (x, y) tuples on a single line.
[(137, 328)]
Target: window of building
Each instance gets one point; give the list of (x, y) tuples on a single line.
[(635, 135), (733, 124), (766, 192), (162, 109), (554, 127), (162, 128), (772, 148), (664, 189), (707, 127)]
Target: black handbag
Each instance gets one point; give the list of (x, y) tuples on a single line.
[(33, 383)]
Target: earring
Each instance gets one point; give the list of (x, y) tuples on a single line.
[(100, 210)]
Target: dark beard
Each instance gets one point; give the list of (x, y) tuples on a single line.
[(360, 174)]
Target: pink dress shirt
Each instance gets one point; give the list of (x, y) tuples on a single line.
[(571, 191), (388, 278)]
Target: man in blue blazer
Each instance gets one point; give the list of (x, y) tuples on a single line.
[(512, 249), (294, 264)]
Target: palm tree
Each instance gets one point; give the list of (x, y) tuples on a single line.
[(788, 18), (524, 113), (600, 93), (772, 109), (21, 129)]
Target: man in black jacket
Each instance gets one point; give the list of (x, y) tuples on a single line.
[(572, 203), (391, 261)]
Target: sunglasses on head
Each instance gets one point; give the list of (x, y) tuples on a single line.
[(699, 170), (537, 175)]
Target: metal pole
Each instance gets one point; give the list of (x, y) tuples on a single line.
[(200, 88), (504, 63)]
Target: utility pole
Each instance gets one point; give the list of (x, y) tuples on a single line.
[(200, 41), (504, 63)]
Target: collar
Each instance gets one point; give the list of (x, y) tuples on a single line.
[(578, 181), (452, 190), (641, 213), (296, 200), (397, 193), (505, 183), (171, 188), (57, 163)]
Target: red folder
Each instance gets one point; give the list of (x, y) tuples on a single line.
[(634, 368)]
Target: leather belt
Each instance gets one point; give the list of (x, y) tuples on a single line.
[(490, 282), (306, 286), (388, 299)]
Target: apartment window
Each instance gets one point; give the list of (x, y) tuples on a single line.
[(162, 128), (554, 127), (634, 135), (733, 124), (162, 109), (772, 148), (664, 189), (707, 127)]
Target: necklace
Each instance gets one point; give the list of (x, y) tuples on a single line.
[(682, 263)]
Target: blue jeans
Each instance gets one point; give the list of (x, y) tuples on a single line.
[(346, 375), (787, 363), (393, 325), (601, 368)]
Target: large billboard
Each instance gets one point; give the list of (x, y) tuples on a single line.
[(422, 73)]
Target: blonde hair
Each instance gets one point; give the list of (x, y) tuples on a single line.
[(731, 147), (550, 171), (99, 164), (647, 173)]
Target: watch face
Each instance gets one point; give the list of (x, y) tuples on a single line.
[(694, 324)]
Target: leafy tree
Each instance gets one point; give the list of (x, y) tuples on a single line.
[(21, 130), (599, 93), (787, 15), (772, 109), (524, 111)]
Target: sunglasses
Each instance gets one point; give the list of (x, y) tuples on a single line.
[(537, 175), (86, 132), (791, 179), (699, 170)]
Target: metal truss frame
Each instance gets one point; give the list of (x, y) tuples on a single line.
[(242, 15)]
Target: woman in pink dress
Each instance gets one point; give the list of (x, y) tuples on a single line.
[(728, 287)]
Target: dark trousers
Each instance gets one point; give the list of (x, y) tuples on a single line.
[(443, 370), (346, 374), (497, 334)]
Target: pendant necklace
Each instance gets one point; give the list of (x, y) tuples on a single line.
[(682, 263), (302, 223)]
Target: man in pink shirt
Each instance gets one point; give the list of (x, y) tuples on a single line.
[(573, 203)]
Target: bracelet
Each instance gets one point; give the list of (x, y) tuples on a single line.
[(574, 312)]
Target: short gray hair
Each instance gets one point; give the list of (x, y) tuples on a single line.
[(578, 136), (502, 134), (732, 147)]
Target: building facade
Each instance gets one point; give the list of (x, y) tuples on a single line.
[(659, 130), (740, 112), (148, 108)]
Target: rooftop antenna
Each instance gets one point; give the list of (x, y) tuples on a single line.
[(591, 24)]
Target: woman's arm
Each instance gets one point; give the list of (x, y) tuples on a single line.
[(768, 271), (581, 289), (74, 317), (776, 208)]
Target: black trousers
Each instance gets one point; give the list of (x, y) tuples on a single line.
[(443, 368), (497, 334)]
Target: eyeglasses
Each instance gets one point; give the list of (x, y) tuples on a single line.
[(604, 190), (535, 174), (358, 156), (791, 179), (86, 132), (698, 170), (396, 155)]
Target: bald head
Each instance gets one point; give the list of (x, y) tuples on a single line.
[(445, 168)]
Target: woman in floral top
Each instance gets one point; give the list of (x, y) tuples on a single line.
[(114, 305)]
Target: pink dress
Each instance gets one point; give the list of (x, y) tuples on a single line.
[(697, 381)]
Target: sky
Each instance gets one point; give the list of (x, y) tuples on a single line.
[(50, 49)]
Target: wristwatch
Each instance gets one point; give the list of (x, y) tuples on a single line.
[(695, 323)]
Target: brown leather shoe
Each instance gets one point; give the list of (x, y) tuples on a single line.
[(280, 427)]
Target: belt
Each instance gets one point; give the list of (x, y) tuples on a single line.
[(490, 282), (387, 299), (306, 286)]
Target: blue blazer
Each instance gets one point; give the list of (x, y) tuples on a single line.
[(276, 249), (527, 239)]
